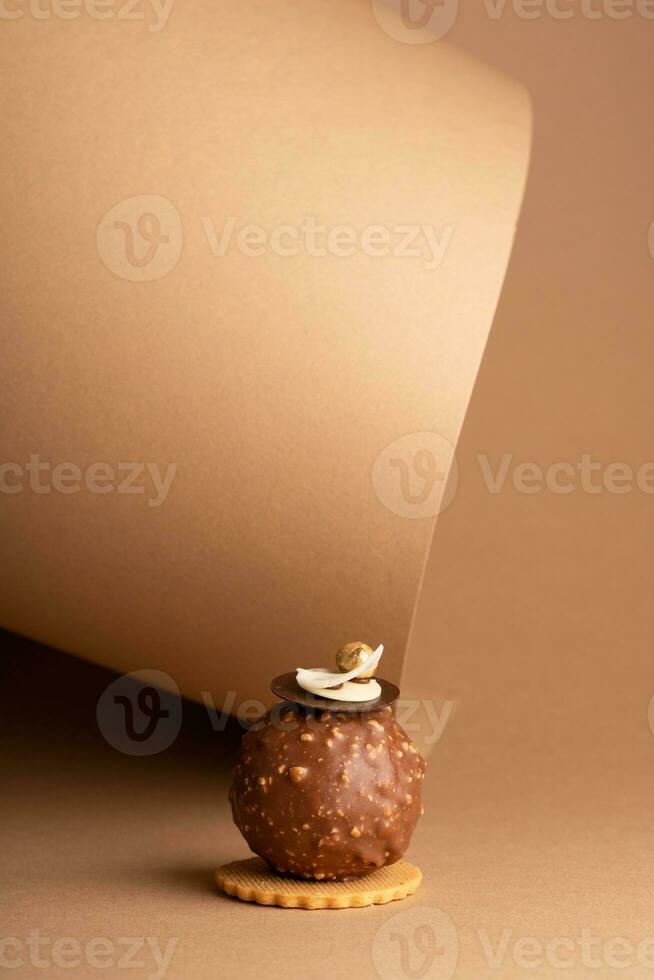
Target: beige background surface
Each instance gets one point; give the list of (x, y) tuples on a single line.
[(536, 617)]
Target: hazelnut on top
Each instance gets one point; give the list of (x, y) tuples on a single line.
[(351, 656)]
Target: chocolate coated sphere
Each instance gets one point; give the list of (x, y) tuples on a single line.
[(327, 795)]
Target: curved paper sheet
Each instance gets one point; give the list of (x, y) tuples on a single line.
[(276, 428)]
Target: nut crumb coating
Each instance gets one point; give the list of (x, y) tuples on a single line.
[(331, 806)]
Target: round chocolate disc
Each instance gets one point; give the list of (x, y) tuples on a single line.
[(286, 687)]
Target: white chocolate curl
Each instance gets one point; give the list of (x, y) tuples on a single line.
[(319, 681)]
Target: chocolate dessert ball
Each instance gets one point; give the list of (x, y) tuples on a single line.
[(327, 795)]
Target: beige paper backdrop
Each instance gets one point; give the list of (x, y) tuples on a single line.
[(288, 390), (536, 618)]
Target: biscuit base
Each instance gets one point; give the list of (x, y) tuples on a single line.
[(252, 880)]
